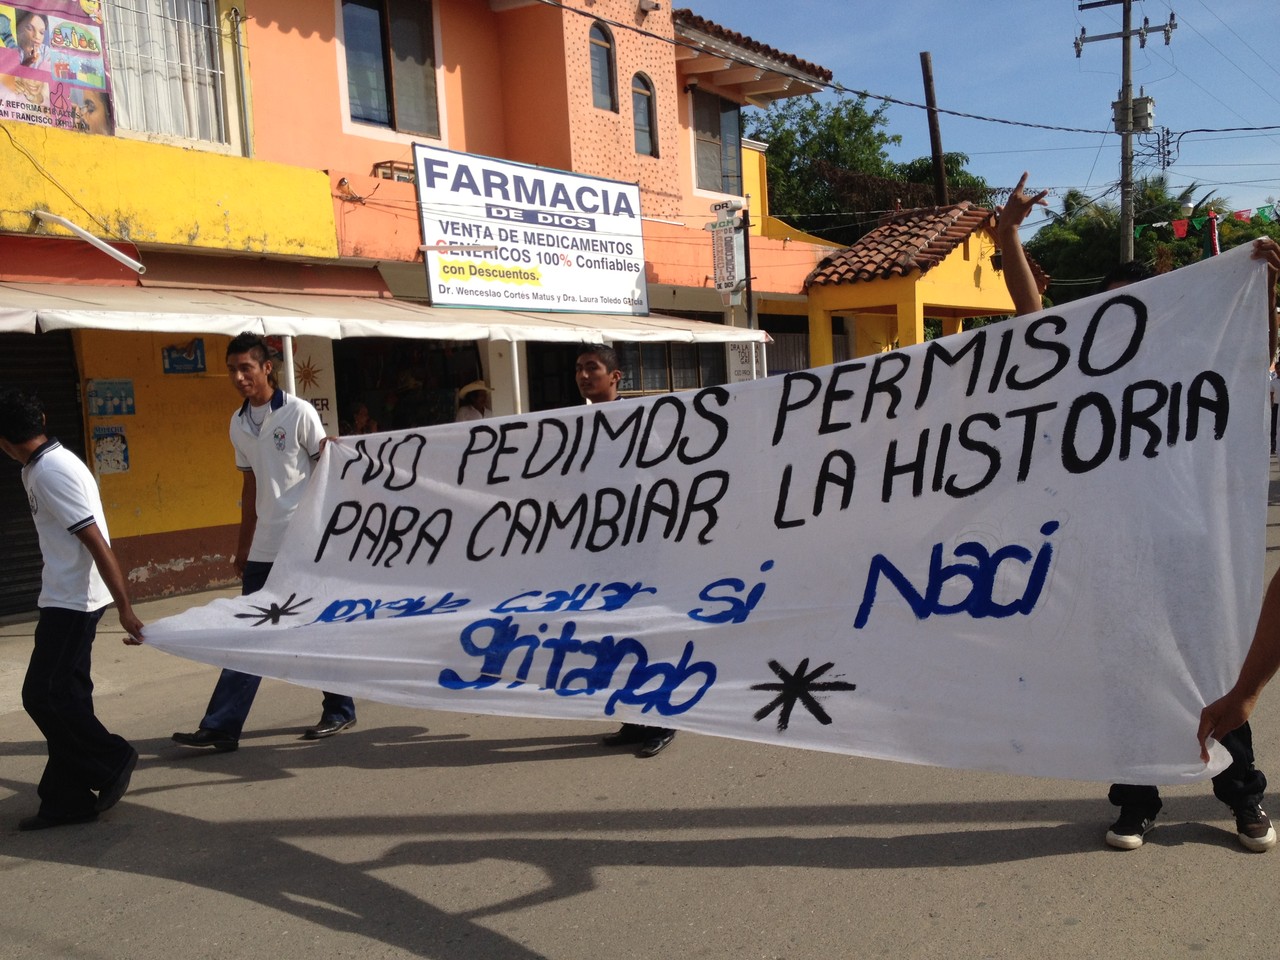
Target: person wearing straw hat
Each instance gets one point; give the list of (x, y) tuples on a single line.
[(473, 402)]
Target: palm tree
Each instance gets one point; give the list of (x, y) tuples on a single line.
[(1082, 244)]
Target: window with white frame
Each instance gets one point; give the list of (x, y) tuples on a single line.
[(391, 64), (604, 87), (644, 116), (166, 68), (717, 127)]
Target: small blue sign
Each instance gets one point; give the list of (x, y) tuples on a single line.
[(111, 398), (184, 358)]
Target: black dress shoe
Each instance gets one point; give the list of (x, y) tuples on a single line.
[(627, 734), (656, 742), (110, 795), (222, 742), (327, 728), (43, 821)]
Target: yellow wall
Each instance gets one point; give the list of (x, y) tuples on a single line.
[(755, 184), (182, 471), (894, 309), (966, 281), (159, 194)]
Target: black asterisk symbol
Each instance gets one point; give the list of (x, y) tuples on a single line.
[(800, 686), (274, 612)]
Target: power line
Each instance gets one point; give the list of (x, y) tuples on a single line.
[(1211, 95), (1227, 130), (839, 88), (1242, 41), (1214, 166), (831, 85), (1259, 136)]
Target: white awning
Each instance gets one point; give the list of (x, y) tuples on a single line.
[(17, 320), (182, 310)]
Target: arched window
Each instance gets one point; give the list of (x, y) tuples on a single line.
[(603, 84), (644, 115)]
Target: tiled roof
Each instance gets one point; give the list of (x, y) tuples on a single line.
[(686, 17), (908, 240)]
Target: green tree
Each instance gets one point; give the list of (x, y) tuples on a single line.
[(961, 184), (1079, 247), (810, 142), (1153, 203), (830, 173), (1082, 244)]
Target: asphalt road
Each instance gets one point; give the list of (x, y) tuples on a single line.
[(438, 835)]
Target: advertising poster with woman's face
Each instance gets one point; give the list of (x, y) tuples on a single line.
[(53, 67)]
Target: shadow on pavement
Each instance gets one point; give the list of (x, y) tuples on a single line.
[(263, 861)]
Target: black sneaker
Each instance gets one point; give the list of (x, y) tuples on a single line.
[(656, 742), (1130, 827), (1254, 829)]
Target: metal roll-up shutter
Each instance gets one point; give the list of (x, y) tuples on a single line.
[(44, 364)]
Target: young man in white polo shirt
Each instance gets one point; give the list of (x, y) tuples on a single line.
[(277, 439), (89, 767)]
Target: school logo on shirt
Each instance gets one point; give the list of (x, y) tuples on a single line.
[(31, 501), (278, 436)]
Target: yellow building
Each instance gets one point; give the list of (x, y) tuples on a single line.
[(937, 262)]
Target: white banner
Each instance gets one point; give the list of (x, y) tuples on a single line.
[(1036, 547), (512, 236)]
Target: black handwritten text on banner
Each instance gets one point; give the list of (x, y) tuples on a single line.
[(1034, 547)]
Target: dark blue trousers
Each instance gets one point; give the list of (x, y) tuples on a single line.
[(234, 692), (58, 695), (1241, 784)]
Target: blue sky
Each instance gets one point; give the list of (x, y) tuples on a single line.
[(1015, 60)]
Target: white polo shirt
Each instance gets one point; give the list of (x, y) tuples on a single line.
[(280, 451), (64, 500)]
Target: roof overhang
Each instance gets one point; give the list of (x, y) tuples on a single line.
[(736, 72), (28, 307)]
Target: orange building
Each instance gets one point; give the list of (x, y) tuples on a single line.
[(170, 183)]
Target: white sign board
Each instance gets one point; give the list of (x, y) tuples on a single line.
[(1036, 547), (507, 235), (726, 264), (313, 375), (745, 361)]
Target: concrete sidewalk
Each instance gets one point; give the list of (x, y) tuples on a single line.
[(437, 835)]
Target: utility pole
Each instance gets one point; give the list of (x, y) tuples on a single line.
[(746, 268), (1123, 109), (940, 197)]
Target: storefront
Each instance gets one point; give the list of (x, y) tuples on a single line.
[(141, 392)]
